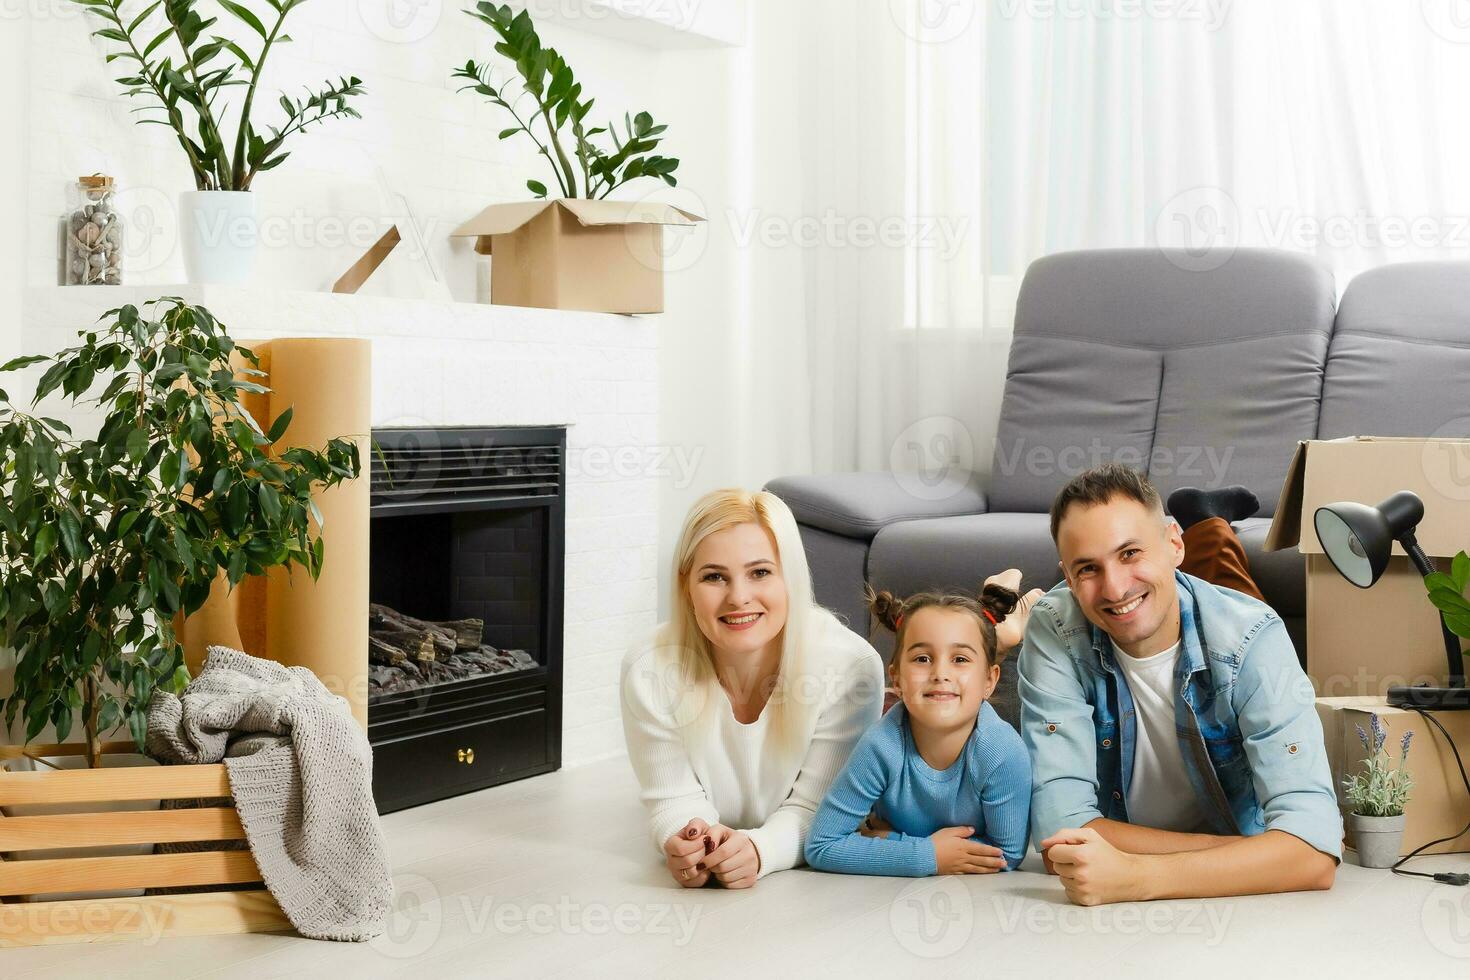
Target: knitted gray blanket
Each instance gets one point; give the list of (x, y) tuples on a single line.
[(301, 773)]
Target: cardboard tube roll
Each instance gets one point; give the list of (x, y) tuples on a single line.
[(232, 617), (323, 625)]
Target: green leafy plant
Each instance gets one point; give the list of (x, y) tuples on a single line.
[(184, 70), (584, 166), (1381, 789), (1447, 592), (104, 540)]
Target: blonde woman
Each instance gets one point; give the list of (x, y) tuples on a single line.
[(741, 710)]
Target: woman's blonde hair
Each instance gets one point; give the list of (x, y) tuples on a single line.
[(792, 702)]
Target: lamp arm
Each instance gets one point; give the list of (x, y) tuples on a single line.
[(1424, 566)]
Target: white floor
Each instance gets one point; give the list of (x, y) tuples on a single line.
[(554, 876)]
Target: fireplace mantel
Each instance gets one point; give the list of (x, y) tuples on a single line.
[(447, 364)]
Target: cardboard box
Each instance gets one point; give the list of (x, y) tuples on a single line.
[(1438, 805), (575, 254), (1364, 641)]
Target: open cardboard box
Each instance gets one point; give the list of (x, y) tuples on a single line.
[(1364, 641), (1438, 805), (576, 254)]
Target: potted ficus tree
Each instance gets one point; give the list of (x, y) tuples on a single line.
[(104, 539), (581, 249), (1377, 796), (188, 68)]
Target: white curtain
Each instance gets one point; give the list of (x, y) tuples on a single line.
[(936, 147)]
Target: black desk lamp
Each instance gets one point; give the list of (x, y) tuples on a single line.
[(1358, 540)]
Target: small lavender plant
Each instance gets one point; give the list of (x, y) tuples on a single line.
[(1381, 789)]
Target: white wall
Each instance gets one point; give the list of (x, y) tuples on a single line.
[(14, 65), (437, 149), (419, 139)]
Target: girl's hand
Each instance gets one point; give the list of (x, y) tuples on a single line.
[(875, 826), (735, 862), (684, 854), (956, 854)]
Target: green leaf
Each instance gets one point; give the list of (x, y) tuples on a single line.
[(1439, 580), (109, 716), (138, 725), (270, 501), (249, 18), (170, 597), (137, 444), (1459, 625), (15, 364), (237, 508), (168, 471), (1460, 571), (62, 719), (236, 568), (1449, 602), (138, 20), (71, 535), (91, 647), (536, 187), (45, 540), (278, 427)]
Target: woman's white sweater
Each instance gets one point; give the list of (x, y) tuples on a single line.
[(732, 774)]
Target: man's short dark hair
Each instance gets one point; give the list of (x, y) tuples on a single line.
[(1101, 484)]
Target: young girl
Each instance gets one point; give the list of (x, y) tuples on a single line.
[(942, 769)]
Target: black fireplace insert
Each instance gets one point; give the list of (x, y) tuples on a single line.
[(465, 624)]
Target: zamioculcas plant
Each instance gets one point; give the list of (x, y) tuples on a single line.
[(1447, 592), (583, 165), (185, 70), (103, 540)]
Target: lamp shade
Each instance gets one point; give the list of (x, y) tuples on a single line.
[(1358, 539)]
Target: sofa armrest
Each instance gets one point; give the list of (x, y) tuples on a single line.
[(859, 505)]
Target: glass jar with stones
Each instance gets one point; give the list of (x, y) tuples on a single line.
[(94, 234)]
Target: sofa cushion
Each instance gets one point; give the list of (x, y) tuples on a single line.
[(959, 552), (857, 505), (1198, 378), (1399, 362), (1281, 575)]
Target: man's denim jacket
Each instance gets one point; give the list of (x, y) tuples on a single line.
[(1245, 714)]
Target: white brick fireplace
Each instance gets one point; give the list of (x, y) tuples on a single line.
[(441, 364)]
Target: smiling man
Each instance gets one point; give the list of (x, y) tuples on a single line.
[(1175, 748)]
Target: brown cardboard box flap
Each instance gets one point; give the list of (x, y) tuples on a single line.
[(1368, 469), (1286, 523), (502, 219)]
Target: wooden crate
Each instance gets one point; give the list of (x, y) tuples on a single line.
[(26, 922)]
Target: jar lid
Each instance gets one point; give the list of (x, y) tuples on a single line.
[(95, 180)]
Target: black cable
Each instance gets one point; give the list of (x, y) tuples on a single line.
[(1445, 877)]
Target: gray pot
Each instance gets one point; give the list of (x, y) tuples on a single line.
[(1378, 840)]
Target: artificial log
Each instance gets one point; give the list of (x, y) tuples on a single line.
[(468, 633), (420, 645), (384, 654), (463, 634)]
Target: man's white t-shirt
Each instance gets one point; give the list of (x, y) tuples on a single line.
[(1159, 794)]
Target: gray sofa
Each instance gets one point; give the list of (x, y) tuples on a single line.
[(1201, 378)]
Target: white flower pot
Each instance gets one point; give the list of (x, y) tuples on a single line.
[(219, 232), (1378, 840)]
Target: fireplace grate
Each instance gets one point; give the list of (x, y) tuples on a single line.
[(422, 472)]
